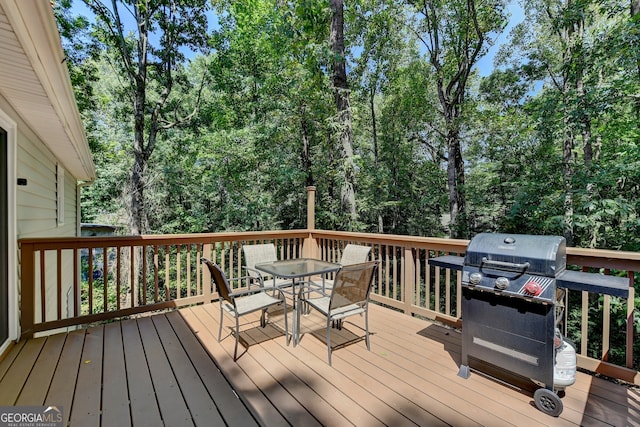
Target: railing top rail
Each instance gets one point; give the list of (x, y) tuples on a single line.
[(602, 258), (157, 239), (599, 258), (453, 245)]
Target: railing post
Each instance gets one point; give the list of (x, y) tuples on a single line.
[(311, 207), (27, 294), (409, 280), (630, 319), (206, 275), (310, 245)]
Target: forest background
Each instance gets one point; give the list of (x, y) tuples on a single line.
[(208, 116)]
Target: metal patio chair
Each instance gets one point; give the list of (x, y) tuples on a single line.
[(261, 253), (351, 254), (349, 296), (238, 304)]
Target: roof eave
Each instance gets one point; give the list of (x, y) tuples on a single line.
[(34, 25)]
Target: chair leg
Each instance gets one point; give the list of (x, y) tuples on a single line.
[(220, 328), (329, 339), (295, 327), (235, 350), (263, 318), (366, 328), (286, 323)]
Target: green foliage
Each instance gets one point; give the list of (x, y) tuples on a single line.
[(262, 125)]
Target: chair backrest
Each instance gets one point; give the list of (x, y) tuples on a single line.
[(255, 254), (352, 284), (355, 254), (218, 277)]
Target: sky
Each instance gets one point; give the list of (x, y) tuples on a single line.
[(485, 64)]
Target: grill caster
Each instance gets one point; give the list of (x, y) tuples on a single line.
[(548, 402)]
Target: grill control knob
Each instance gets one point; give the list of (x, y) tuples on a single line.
[(475, 278), (502, 283)]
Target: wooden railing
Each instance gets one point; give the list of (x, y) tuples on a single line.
[(91, 279), (87, 280), (408, 283)]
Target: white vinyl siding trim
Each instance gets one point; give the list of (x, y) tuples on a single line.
[(60, 200), (11, 128)]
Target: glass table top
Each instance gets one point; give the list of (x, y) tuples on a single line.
[(300, 267)]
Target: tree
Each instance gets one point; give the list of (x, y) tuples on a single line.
[(344, 125), (454, 34), (635, 17), (150, 59), (575, 61), (381, 64)]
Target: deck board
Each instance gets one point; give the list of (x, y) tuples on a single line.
[(385, 388), (115, 394), (334, 387), (85, 410), (193, 391), (169, 369), (439, 376), (37, 385), (19, 371), (235, 413), (262, 408), (173, 408), (143, 404), (12, 354), (360, 398), (280, 398), (302, 391), (63, 384)]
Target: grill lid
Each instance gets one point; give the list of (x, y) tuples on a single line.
[(545, 255)]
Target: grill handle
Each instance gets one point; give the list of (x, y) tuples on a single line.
[(507, 266)]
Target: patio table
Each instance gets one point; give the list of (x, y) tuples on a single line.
[(296, 270)]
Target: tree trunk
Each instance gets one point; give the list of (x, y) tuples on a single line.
[(306, 146), (139, 166), (455, 183), (344, 126), (454, 48), (374, 132), (635, 14), (567, 162), (584, 109)]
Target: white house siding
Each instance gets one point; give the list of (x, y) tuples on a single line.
[(36, 210)]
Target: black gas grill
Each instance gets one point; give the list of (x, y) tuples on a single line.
[(509, 297), (518, 266), (512, 300)]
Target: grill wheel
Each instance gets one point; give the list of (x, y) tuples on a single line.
[(548, 402)]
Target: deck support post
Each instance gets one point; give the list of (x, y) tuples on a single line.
[(310, 247), (409, 279), (27, 294)]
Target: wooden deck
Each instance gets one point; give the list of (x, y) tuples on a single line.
[(169, 369)]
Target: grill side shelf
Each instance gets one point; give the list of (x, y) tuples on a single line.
[(594, 282), (448, 261)]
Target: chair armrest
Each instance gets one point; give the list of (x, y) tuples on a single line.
[(308, 286), (245, 292), (249, 279), (255, 291), (259, 277)]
